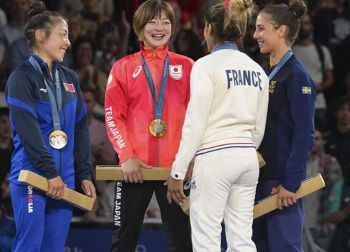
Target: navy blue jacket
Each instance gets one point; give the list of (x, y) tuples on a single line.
[(289, 132), (31, 121)]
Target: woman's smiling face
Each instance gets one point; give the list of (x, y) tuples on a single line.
[(157, 31), (265, 33)]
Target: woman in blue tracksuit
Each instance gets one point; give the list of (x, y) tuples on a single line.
[(289, 129), (51, 138)]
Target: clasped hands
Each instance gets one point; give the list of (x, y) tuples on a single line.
[(285, 197)]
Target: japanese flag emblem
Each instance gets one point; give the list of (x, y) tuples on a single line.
[(175, 71)]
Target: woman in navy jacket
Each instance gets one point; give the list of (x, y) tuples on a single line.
[(288, 138), (51, 138)]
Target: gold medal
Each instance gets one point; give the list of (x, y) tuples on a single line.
[(58, 139), (158, 128)]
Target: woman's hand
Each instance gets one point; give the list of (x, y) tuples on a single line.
[(132, 170), (56, 188), (88, 188), (175, 190), (285, 197)]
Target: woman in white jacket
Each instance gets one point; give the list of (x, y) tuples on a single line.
[(224, 125)]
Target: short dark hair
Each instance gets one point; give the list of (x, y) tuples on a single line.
[(340, 102), (147, 11), (77, 43)]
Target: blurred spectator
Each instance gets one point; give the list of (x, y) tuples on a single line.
[(83, 52), (316, 6), (102, 150), (18, 51), (7, 223), (189, 11), (12, 34), (3, 18), (6, 143), (332, 28), (92, 17), (15, 26), (317, 229), (332, 23), (187, 43), (346, 83), (76, 30), (342, 63), (188, 16), (104, 7), (338, 139), (178, 16), (4, 73), (106, 201), (5, 198), (318, 62), (339, 210), (114, 37), (102, 154)]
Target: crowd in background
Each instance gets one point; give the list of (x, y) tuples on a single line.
[(101, 33)]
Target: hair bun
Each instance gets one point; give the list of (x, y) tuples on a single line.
[(35, 8), (297, 8), (238, 7)]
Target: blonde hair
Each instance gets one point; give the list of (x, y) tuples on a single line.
[(230, 23), (238, 14)]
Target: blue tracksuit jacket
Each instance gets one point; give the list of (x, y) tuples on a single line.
[(42, 223), (31, 119)]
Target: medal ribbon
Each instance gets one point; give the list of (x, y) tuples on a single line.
[(158, 103), (225, 45), (55, 105), (280, 64)]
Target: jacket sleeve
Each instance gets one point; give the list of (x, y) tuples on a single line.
[(116, 107), (202, 89), (82, 151), (301, 94), (263, 103), (24, 121), (188, 72)]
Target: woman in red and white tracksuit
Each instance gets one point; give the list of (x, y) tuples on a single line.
[(146, 100)]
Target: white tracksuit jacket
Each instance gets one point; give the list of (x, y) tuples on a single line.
[(228, 106)]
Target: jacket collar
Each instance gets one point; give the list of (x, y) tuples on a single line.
[(43, 64), (159, 52)]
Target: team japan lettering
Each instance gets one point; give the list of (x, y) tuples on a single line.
[(243, 78), (113, 129)]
